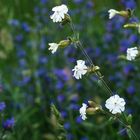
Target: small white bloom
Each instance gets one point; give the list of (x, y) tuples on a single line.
[(132, 53), (112, 13), (82, 111), (59, 13), (53, 47), (115, 104), (80, 69)]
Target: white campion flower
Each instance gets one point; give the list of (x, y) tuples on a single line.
[(53, 47), (115, 104), (59, 13), (132, 53), (80, 69), (112, 13), (82, 111)]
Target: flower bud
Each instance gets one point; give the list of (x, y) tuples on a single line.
[(127, 13), (64, 43), (131, 25), (93, 69), (92, 104), (92, 110), (66, 20)]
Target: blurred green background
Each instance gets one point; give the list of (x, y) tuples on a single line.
[(31, 78)]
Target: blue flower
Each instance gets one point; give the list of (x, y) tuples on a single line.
[(13, 22), (2, 106), (84, 138), (60, 98), (70, 137), (25, 27), (79, 120), (67, 126), (128, 69), (8, 124), (129, 3), (43, 1), (131, 89), (64, 114), (78, 1), (19, 38)]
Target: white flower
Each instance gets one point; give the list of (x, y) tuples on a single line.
[(82, 111), (59, 13), (132, 53), (115, 104), (53, 47), (80, 69), (112, 13)]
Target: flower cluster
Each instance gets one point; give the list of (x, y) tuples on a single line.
[(115, 104)]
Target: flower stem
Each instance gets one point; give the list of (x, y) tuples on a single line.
[(79, 44)]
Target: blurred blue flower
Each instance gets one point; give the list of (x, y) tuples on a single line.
[(128, 68), (131, 89), (43, 60), (22, 62), (43, 1), (78, 1), (129, 3), (109, 26), (79, 120), (19, 37), (70, 136), (13, 22), (84, 138), (124, 44), (8, 124), (73, 106), (64, 114), (25, 27), (61, 73), (2, 106), (74, 98), (67, 125), (107, 37), (36, 10), (133, 19), (90, 4), (122, 132), (40, 72), (60, 98), (21, 53), (133, 39), (59, 85), (43, 43)]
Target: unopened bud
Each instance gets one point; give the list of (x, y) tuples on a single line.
[(131, 25), (127, 13), (64, 43), (66, 20), (92, 104), (93, 69), (92, 110)]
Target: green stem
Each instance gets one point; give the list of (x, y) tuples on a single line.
[(99, 75)]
